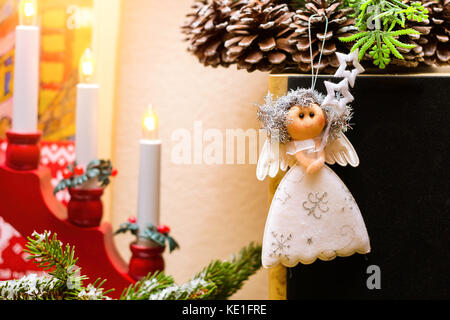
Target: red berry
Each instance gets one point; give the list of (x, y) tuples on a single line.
[(114, 173), (79, 171), (163, 229), (67, 174), (132, 220)]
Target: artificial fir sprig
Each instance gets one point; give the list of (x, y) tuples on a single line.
[(63, 281), (229, 276), (380, 23), (196, 289), (218, 281), (32, 287), (49, 254), (159, 286), (149, 285), (94, 291)]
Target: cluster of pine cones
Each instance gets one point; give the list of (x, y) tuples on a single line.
[(269, 35)]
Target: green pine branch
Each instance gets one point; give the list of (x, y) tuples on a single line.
[(49, 254), (63, 281), (149, 285), (230, 276), (218, 281), (162, 287), (32, 287)]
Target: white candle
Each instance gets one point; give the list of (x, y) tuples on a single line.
[(87, 114), (149, 174), (26, 71)]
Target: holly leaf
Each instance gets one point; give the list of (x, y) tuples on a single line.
[(78, 181), (93, 173), (154, 236), (105, 181), (94, 163), (61, 186), (128, 227), (173, 245)]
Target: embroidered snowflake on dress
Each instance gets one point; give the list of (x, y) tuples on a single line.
[(283, 196), (281, 245)]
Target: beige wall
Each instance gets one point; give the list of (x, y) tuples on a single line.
[(213, 210)]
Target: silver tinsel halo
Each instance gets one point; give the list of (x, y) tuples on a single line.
[(274, 113), (339, 124)]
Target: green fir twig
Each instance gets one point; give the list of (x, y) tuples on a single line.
[(380, 24), (63, 281), (218, 281)]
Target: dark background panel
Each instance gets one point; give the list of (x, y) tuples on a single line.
[(401, 133)]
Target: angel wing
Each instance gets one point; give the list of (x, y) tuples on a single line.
[(273, 158), (342, 152)]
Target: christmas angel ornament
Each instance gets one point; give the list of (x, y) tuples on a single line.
[(313, 215)]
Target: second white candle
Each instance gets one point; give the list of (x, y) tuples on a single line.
[(149, 183)]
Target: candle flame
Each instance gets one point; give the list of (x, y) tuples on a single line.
[(150, 124), (86, 66), (28, 12)]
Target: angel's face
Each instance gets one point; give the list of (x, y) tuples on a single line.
[(305, 122)]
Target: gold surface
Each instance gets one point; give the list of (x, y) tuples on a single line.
[(277, 276)]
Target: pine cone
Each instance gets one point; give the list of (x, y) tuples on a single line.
[(437, 50), (258, 37), (205, 29), (432, 45), (339, 25)]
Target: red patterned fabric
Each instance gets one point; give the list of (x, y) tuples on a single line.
[(57, 156), (13, 263)]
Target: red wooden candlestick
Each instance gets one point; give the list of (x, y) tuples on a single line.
[(145, 260), (23, 152), (85, 208), (28, 204)]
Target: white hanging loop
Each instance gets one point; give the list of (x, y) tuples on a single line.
[(315, 76)]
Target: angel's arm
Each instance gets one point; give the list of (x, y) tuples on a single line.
[(312, 165), (317, 164), (303, 159)]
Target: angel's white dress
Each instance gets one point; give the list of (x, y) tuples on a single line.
[(312, 216)]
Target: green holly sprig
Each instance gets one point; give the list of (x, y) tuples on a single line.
[(74, 175), (159, 235)]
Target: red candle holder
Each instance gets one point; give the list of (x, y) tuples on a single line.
[(85, 208), (23, 152), (28, 204), (145, 260)]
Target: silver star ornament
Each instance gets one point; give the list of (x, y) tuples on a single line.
[(331, 99), (342, 71)]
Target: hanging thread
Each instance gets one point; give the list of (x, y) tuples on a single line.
[(316, 75)]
